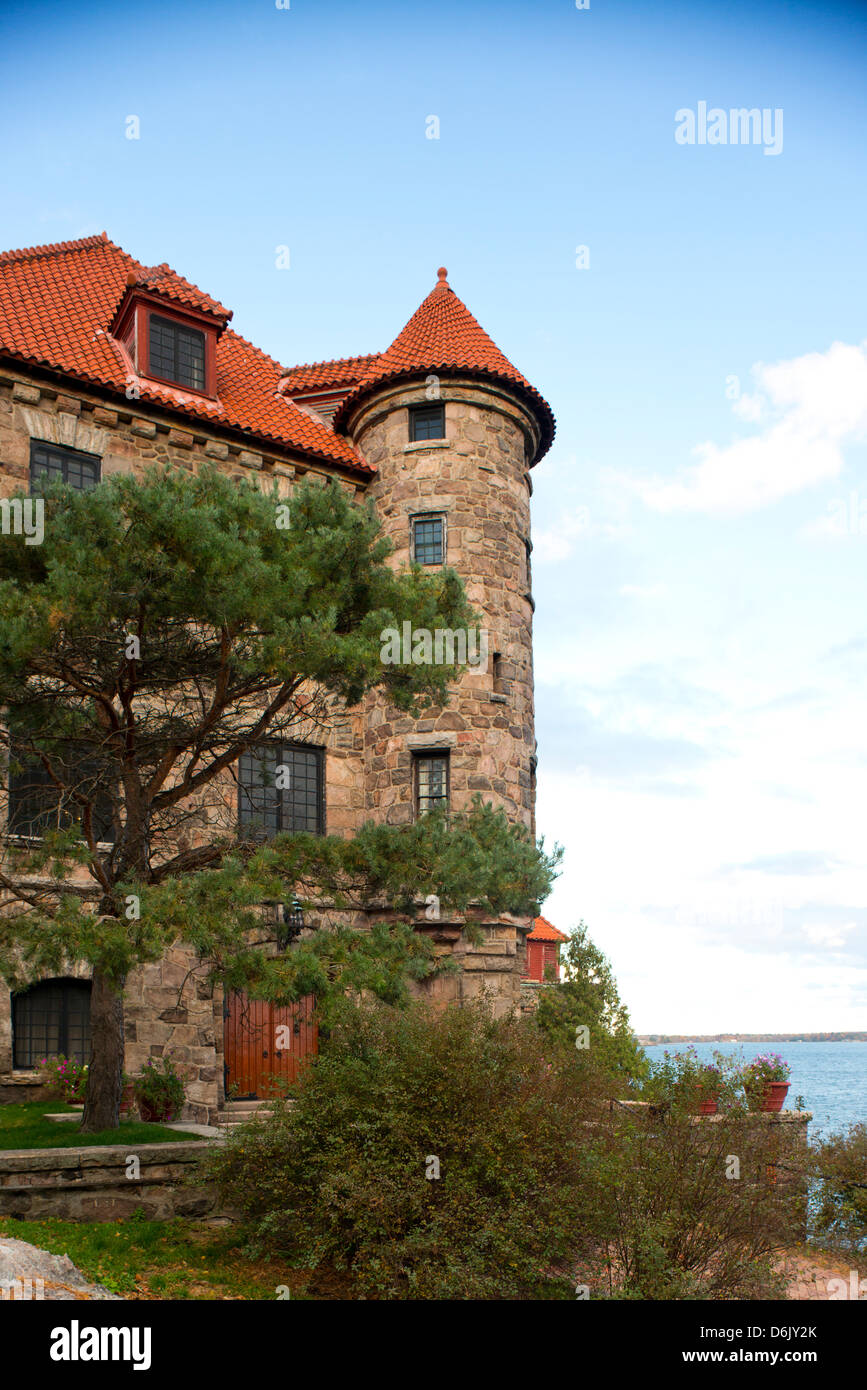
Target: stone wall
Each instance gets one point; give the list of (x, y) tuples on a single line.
[(171, 1012), (91, 1183)]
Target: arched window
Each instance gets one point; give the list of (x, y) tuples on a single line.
[(49, 1020)]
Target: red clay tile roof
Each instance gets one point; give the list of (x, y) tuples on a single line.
[(57, 303), (161, 279), (327, 376), (544, 931), (442, 335)]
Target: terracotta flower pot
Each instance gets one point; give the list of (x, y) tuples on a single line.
[(153, 1113), (708, 1106), (774, 1096)]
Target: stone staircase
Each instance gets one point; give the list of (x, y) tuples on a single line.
[(238, 1112)]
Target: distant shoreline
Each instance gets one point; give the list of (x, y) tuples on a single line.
[(651, 1039)]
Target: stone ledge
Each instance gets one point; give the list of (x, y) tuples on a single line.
[(779, 1117), (97, 1155), (419, 444), (92, 1183)]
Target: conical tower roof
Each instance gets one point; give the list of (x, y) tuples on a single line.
[(443, 336)]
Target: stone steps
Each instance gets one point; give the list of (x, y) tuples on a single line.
[(239, 1112)]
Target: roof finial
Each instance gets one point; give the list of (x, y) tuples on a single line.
[(441, 275)]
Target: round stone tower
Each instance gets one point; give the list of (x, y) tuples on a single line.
[(453, 429)]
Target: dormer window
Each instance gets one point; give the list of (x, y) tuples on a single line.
[(169, 330), (176, 353)]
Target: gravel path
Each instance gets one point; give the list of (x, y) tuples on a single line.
[(26, 1272)]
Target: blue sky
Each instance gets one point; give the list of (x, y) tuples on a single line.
[(701, 521)]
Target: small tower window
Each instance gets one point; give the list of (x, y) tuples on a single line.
[(428, 540), (427, 422), (177, 353), (431, 781), (501, 673)]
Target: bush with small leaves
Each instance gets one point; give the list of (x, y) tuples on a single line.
[(838, 1166), (432, 1155)]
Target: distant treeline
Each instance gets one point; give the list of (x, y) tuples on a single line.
[(646, 1039)]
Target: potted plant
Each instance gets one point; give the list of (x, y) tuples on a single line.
[(683, 1080), (766, 1082), (127, 1099), (708, 1085), (159, 1090)]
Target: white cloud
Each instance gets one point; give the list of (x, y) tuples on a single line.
[(749, 408), (830, 936), (554, 543), (731, 881), (815, 406)]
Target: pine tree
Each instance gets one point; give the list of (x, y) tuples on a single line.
[(164, 627)]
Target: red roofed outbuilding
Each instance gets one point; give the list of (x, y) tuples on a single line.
[(543, 950)]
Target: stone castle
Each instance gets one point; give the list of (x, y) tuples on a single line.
[(108, 366)]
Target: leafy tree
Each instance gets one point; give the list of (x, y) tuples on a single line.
[(164, 627), (587, 997)]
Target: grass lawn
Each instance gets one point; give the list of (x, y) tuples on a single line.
[(25, 1127), (167, 1259)]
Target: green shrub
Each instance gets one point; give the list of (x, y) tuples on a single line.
[(839, 1208), (692, 1208), (347, 1177), (682, 1081), (542, 1171)]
